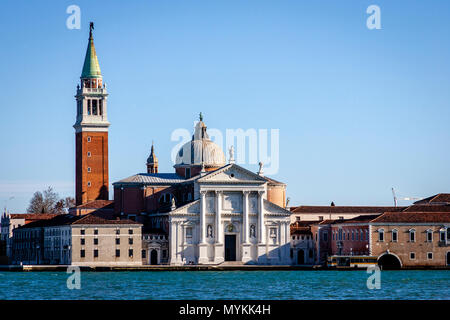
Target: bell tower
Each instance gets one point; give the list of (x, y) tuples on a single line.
[(91, 131)]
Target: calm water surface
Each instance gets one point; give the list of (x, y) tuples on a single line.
[(227, 285)]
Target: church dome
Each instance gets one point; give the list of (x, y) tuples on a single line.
[(201, 150)]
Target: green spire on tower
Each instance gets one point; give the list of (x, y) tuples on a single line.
[(91, 68)]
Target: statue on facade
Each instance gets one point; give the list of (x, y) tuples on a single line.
[(173, 204), (252, 231), (261, 170), (231, 151), (210, 231)]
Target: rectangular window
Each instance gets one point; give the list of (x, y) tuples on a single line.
[(82, 241), (117, 231), (89, 107), (143, 254), (412, 256), (189, 232), (430, 236), (430, 255), (82, 253), (100, 102), (95, 253), (117, 253), (130, 231), (117, 240), (412, 236), (95, 231), (442, 236), (130, 252), (95, 241), (82, 231), (130, 241), (394, 236)]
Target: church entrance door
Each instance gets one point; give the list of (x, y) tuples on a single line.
[(154, 257), (230, 247)]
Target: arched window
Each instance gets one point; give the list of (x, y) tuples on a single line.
[(442, 235), (429, 235), (394, 235), (381, 235), (412, 235)]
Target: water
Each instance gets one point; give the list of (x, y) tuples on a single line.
[(258, 285)]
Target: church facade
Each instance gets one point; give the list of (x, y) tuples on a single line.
[(210, 210)]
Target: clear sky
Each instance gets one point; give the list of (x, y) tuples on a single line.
[(359, 111)]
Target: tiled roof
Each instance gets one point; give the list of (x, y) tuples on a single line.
[(32, 216), (301, 230), (428, 208), (437, 198), (66, 219), (343, 209), (102, 218), (153, 178), (414, 217), (59, 220), (358, 219), (97, 204)]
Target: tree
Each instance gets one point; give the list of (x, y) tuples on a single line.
[(48, 201)]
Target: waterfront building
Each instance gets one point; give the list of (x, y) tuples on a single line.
[(411, 239), (303, 246), (209, 210), (414, 236), (94, 239), (11, 221)]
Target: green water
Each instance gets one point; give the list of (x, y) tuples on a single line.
[(257, 285)]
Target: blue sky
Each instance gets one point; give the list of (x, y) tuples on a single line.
[(359, 111)]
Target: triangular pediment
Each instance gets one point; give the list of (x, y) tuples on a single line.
[(272, 208), (232, 173), (190, 208)]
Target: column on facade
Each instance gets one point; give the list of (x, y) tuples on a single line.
[(173, 241), (261, 226), (202, 216), (245, 222), (218, 234)]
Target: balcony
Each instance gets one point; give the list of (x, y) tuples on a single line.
[(91, 91)]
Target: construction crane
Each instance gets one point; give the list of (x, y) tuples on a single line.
[(404, 198)]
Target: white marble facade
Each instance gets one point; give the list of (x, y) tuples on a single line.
[(230, 220)]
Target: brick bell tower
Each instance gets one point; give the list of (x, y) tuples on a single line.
[(91, 131)]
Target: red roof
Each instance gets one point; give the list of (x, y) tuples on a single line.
[(428, 208), (437, 198), (414, 217), (97, 204), (33, 216), (102, 218), (343, 209)]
